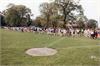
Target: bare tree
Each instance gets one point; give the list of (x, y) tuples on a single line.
[(68, 8)]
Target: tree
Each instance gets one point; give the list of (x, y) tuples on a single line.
[(17, 15), (29, 20), (81, 21), (68, 8), (48, 11), (92, 23), (2, 22), (40, 22)]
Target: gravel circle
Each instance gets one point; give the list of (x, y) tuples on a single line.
[(41, 52)]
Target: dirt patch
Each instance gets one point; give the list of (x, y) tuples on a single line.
[(41, 52)]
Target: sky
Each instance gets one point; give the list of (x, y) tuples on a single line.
[(91, 7)]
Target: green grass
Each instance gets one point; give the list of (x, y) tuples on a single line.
[(71, 51)]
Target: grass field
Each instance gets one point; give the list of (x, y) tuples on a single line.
[(71, 51)]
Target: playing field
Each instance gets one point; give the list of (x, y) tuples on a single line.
[(71, 51)]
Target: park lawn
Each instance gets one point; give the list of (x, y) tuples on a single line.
[(71, 51)]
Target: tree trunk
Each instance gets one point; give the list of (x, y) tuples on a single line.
[(64, 20), (48, 20)]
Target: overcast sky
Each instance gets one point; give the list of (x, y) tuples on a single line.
[(91, 7)]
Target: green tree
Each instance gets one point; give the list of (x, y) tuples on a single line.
[(2, 22), (17, 15), (92, 23), (81, 21), (40, 21)]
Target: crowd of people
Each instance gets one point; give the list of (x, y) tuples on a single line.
[(91, 33), (74, 32)]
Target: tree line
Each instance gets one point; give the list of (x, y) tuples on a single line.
[(59, 13)]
